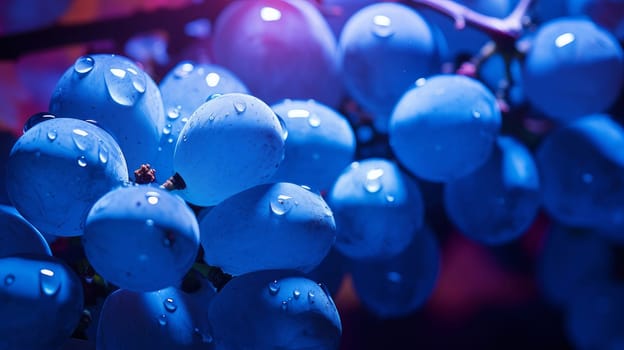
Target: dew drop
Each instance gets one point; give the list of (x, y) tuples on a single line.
[(9, 279), (282, 204), (213, 96), (170, 140), (212, 79), (149, 222), (125, 86), (52, 135), (183, 70), (152, 197), (80, 139), (82, 161), (296, 293), (36, 119), (184, 120), (311, 296), (84, 65), (355, 165), (284, 128), (390, 198), (382, 26), (173, 113), (372, 184), (170, 305), (314, 121), (476, 114), (49, 282), (240, 106), (274, 287), (103, 154), (284, 305), (162, 320), (167, 130)]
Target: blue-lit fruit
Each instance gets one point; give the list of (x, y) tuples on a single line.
[(272, 226), (383, 49), (606, 13), (274, 310), (58, 169), (571, 260), (186, 87), (337, 12), (594, 319), (320, 144), (42, 301), (581, 168), (162, 320), (279, 49), (21, 16), (18, 236), (497, 202), (399, 285), (377, 209), (573, 68), (141, 238), (445, 128), (231, 143), (120, 97)]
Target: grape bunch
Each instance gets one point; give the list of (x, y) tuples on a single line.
[(322, 152)]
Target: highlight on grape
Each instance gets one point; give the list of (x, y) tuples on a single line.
[(311, 174)]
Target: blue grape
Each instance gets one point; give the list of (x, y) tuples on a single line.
[(18, 236), (581, 169), (383, 49), (21, 16), (572, 259), (320, 144), (573, 68), (165, 319), (186, 87), (606, 13), (445, 128), (493, 73), (293, 222), (399, 285), (231, 143), (141, 238), (280, 49), (58, 169), (497, 202), (337, 12), (42, 301), (119, 96), (274, 310), (377, 209)]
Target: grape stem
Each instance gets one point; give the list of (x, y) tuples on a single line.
[(501, 30)]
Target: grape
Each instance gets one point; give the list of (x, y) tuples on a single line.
[(399, 285), (337, 12), (570, 261), (319, 146), (141, 238), (186, 87), (42, 301), (445, 128), (21, 16), (581, 169), (573, 68), (377, 209), (497, 202), (118, 95), (165, 319), (606, 13), (231, 143), (58, 169), (274, 310), (280, 49), (493, 73), (18, 236), (295, 223), (383, 49)]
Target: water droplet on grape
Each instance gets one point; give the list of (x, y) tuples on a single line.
[(170, 140), (382, 26), (184, 120), (170, 305), (213, 96), (103, 154), (162, 320), (212, 79), (274, 287), (9, 279), (421, 82), (149, 222), (84, 65), (173, 113), (49, 282), (52, 135), (311, 296), (476, 114), (314, 121), (82, 161), (296, 293), (80, 139), (284, 128), (125, 86), (282, 204), (284, 305), (390, 198), (152, 197), (167, 129), (372, 184), (36, 119), (183, 70), (240, 106), (355, 165)]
